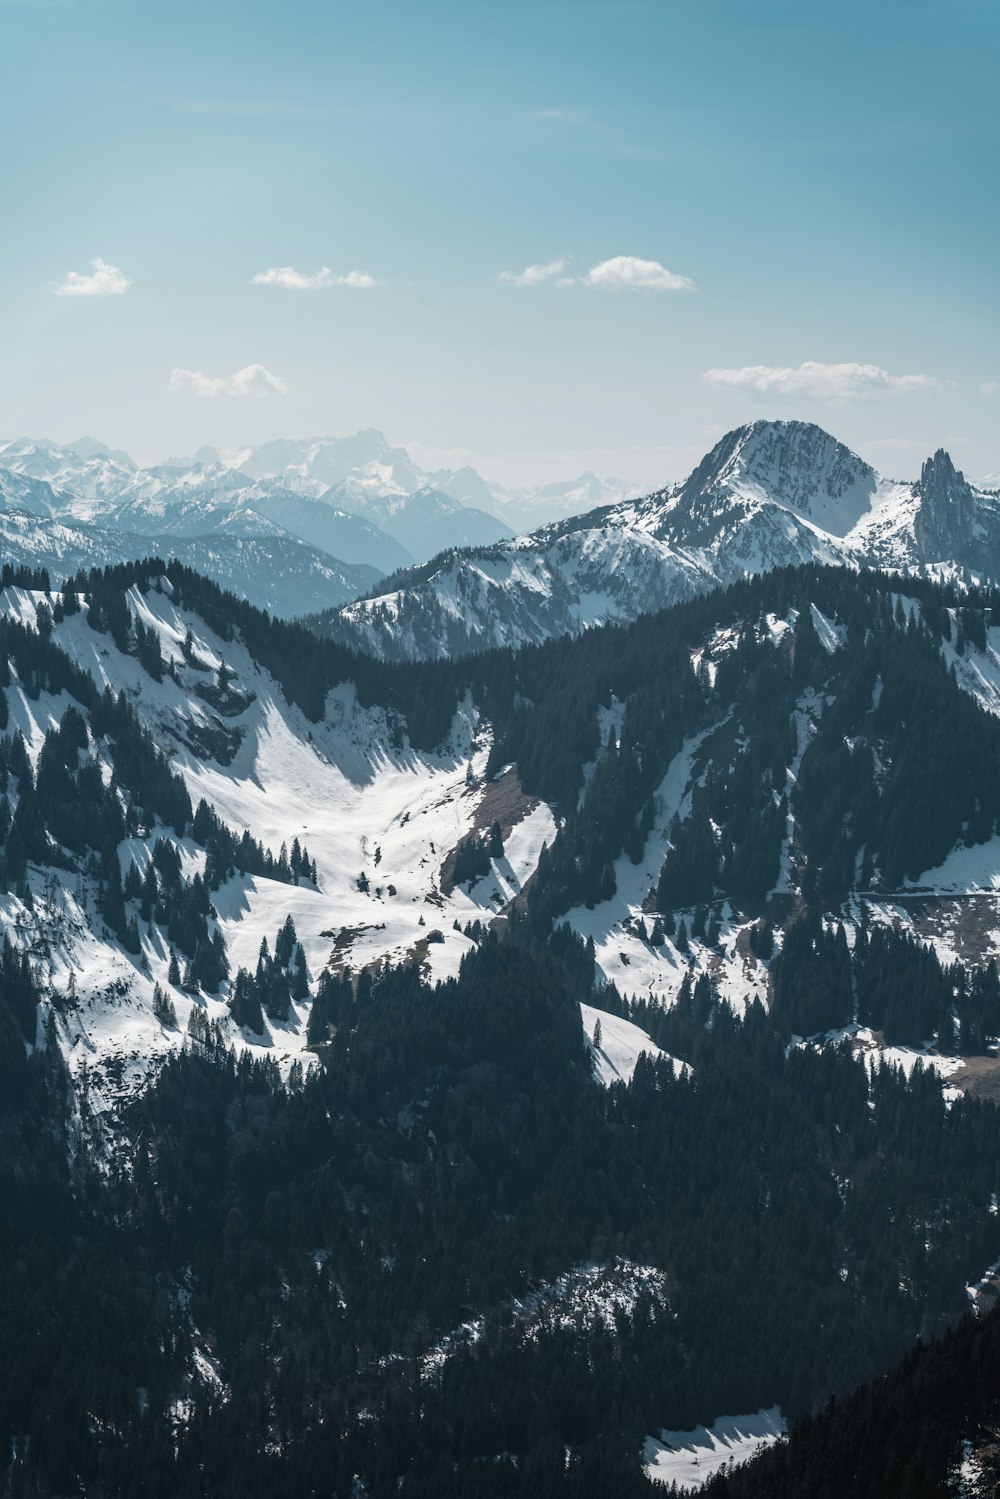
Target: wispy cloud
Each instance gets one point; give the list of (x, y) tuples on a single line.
[(629, 273), (573, 117), (574, 120), (534, 275), (293, 280), (821, 382), (104, 281), (253, 380), (989, 387)]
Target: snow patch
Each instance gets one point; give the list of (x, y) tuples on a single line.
[(621, 1046), (690, 1458)]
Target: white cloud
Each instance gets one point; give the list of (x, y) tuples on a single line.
[(989, 387), (254, 380), (621, 273), (535, 275), (821, 382), (106, 281), (293, 280), (628, 273)]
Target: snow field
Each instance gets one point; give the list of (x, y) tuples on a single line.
[(622, 1044), (690, 1458)]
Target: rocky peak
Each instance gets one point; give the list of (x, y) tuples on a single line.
[(944, 523), (940, 481), (794, 463)]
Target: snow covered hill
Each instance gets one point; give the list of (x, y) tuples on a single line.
[(385, 824), (264, 563), (627, 823), (379, 821), (773, 494)]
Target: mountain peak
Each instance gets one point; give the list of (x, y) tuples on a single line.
[(795, 463), (945, 521), (88, 447), (367, 446), (940, 480)]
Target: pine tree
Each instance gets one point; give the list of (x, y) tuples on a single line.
[(164, 1009)]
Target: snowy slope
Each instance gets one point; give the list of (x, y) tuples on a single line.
[(382, 824), (620, 1047), (690, 1458), (363, 810)]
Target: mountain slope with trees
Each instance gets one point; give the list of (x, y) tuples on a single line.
[(303, 1140)]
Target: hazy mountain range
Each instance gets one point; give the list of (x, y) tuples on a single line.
[(293, 505)]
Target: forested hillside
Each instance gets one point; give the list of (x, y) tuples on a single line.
[(456, 1075), (927, 1429), (285, 1267)]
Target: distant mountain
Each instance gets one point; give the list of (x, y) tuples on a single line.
[(424, 523), (533, 507), (772, 494), (100, 488), (271, 569), (357, 498)]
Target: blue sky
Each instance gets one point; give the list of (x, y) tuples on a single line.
[(825, 174)]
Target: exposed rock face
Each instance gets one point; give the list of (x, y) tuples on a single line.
[(946, 520)]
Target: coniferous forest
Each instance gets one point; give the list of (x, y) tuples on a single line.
[(330, 1281)]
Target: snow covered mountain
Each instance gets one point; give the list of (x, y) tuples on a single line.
[(294, 741), (426, 522), (357, 498), (533, 507), (108, 491), (772, 494), (263, 563)]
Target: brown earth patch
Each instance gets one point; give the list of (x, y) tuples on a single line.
[(343, 940), (980, 1078), (968, 922), (503, 801)]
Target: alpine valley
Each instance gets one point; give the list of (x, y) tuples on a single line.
[(530, 1030)]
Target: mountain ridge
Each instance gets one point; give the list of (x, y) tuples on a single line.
[(362, 475), (768, 494)]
